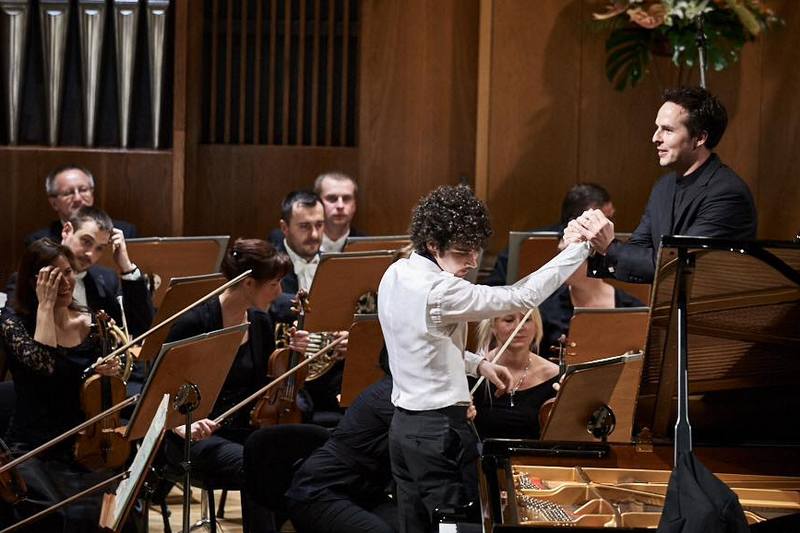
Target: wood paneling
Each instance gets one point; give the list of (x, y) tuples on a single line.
[(533, 130), (778, 170), (555, 120), (237, 190), (131, 185), (418, 90)]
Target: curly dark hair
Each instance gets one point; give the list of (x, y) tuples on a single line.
[(450, 216)]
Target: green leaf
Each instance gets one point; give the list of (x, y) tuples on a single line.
[(628, 54)]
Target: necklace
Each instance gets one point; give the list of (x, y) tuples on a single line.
[(519, 383)]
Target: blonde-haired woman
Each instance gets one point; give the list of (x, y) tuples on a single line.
[(516, 414)]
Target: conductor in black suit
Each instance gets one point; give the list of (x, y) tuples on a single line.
[(701, 196), (69, 188)]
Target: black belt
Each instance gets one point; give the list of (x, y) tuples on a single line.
[(451, 411)]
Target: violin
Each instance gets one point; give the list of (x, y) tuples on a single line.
[(279, 405), (101, 446)]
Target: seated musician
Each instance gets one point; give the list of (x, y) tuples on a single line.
[(342, 487), (579, 290), (217, 451), (579, 198), (515, 414), (338, 192), (88, 234), (302, 223), (70, 187), (50, 340)]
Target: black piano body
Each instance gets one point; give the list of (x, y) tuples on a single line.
[(743, 340)]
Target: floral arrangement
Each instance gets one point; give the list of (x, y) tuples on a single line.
[(641, 29)]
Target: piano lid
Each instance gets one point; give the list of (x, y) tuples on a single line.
[(743, 342)]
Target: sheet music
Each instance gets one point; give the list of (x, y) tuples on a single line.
[(127, 488)]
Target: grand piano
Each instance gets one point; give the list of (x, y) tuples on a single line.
[(742, 313)]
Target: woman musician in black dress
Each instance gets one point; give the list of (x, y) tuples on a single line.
[(216, 452), (48, 342), (514, 414)]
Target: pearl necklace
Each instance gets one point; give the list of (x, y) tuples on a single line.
[(519, 383)]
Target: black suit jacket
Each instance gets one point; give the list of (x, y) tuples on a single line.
[(102, 287), (53, 231), (718, 204), (281, 309)]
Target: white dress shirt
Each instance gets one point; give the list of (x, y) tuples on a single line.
[(329, 245), (304, 270), (424, 311), (79, 291)]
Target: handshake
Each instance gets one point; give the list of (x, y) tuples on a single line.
[(592, 226)]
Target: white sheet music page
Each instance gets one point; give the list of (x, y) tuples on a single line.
[(126, 490)]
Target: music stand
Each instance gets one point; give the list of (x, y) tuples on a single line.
[(590, 391), (163, 258), (182, 370), (598, 333), (180, 293), (372, 244), (529, 251), (341, 279), (117, 505), (361, 368)]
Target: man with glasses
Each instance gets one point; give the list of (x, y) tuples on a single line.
[(69, 188)]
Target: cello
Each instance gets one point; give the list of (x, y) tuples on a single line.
[(279, 405)]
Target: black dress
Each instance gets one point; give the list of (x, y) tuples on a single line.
[(47, 384), (498, 419), (218, 459)]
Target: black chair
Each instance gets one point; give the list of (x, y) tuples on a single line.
[(271, 457), (170, 474)]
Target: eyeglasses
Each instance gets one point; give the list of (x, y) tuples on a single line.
[(69, 193)]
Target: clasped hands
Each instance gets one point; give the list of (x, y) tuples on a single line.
[(593, 227)]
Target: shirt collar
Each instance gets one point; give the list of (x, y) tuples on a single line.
[(81, 275), (330, 244), (426, 261)]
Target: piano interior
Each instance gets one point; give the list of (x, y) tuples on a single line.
[(614, 497)]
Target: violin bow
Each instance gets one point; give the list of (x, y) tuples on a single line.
[(503, 348), (169, 320), (80, 427)]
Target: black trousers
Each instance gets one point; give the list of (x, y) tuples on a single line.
[(434, 457), (218, 461), (338, 516)]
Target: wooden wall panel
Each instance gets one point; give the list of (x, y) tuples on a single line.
[(533, 127), (779, 132), (556, 120), (130, 185), (616, 148), (418, 83), (237, 189)]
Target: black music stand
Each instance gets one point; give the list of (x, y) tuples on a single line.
[(182, 370)]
